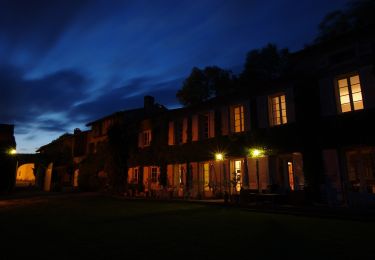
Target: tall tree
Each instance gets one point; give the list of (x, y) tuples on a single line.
[(204, 84), (358, 15), (263, 65)]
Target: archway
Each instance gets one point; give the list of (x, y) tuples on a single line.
[(25, 175)]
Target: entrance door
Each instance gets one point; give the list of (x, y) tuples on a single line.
[(237, 172)]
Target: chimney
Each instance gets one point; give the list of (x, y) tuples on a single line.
[(148, 102)]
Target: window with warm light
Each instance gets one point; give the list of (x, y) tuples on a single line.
[(350, 93), (278, 110), (206, 176), (146, 138), (154, 174), (239, 125)]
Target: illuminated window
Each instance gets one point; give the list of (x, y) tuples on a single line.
[(350, 93), (146, 138), (206, 176), (154, 174), (239, 125), (278, 110)]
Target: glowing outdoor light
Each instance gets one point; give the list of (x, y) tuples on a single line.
[(219, 156), (257, 153), (12, 151)]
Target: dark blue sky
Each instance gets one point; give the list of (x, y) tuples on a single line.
[(64, 63)]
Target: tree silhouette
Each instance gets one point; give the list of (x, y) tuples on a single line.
[(204, 84), (358, 16), (263, 65)]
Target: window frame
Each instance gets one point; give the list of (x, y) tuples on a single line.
[(279, 110), (350, 92), (241, 119), (154, 174), (146, 138)]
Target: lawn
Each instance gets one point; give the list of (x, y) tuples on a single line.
[(96, 227)]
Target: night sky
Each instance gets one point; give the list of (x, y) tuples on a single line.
[(65, 63)]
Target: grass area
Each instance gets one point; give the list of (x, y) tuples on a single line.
[(94, 227)]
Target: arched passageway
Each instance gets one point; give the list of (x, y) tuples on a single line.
[(25, 175)]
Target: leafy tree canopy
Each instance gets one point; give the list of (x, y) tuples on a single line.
[(359, 15), (265, 64), (204, 84)]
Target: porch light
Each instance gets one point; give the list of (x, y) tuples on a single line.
[(219, 156), (256, 153)]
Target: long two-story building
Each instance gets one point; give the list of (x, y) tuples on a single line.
[(308, 134), (312, 133)]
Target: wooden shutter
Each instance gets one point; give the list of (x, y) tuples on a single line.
[(195, 129), (184, 130), (246, 114), (262, 111), (329, 102), (289, 99), (140, 144), (211, 122), (367, 80), (146, 175), (231, 119), (171, 133), (170, 175), (194, 174), (224, 121)]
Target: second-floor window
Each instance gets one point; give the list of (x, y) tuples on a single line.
[(144, 138), (278, 110), (350, 93), (239, 125)]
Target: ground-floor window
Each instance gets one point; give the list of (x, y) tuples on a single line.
[(135, 175), (289, 174), (206, 176), (154, 174), (361, 169)]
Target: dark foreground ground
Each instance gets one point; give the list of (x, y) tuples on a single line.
[(91, 226)]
